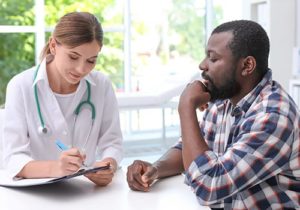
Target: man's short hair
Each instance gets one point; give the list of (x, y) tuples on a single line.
[(249, 39)]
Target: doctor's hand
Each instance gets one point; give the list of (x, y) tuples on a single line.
[(140, 175), (195, 95), (103, 177), (69, 162)]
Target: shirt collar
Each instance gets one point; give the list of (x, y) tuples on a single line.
[(90, 79), (244, 104), (41, 75)]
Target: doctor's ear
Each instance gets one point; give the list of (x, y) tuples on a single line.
[(249, 65), (52, 45)]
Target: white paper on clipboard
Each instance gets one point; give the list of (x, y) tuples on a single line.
[(7, 181)]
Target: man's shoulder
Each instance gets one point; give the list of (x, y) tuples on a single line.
[(276, 93), (273, 98)]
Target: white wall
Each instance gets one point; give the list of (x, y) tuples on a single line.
[(281, 28), (283, 39), (298, 23)]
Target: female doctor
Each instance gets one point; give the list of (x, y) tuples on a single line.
[(63, 100)]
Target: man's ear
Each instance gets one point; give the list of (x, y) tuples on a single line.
[(52, 45), (249, 65)]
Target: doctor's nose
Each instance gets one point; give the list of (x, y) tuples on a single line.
[(82, 69)]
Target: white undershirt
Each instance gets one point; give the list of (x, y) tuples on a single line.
[(64, 101)]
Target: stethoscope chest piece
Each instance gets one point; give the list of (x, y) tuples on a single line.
[(44, 130)]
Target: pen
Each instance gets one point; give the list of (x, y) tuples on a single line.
[(63, 147)]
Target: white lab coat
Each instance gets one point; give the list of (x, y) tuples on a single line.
[(21, 140)]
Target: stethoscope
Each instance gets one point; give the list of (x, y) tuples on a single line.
[(43, 129)]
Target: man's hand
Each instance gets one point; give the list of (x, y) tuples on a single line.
[(140, 175), (194, 96)]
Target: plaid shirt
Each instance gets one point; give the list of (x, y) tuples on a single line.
[(260, 166)]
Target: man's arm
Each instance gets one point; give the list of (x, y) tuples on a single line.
[(169, 164), (193, 144), (141, 174)]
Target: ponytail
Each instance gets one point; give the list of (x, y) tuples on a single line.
[(45, 51)]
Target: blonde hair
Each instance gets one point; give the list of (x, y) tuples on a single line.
[(74, 29)]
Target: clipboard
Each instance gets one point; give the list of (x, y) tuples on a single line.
[(7, 181), (80, 172)]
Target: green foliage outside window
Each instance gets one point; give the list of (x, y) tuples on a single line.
[(17, 50), (188, 22), (190, 25)]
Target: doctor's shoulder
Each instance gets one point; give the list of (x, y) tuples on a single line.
[(100, 78), (23, 79)]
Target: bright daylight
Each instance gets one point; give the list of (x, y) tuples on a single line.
[(153, 105)]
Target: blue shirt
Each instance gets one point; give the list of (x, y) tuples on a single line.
[(259, 168)]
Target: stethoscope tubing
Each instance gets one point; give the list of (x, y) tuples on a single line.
[(45, 130)]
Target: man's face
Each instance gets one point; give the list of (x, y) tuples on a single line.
[(220, 69)]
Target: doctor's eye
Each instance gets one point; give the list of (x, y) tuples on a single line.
[(73, 57), (91, 62)]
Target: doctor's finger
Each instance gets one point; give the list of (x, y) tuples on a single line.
[(72, 168), (100, 176), (105, 172), (74, 152), (99, 181), (74, 160)]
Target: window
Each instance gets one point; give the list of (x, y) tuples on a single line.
[(150, 47)]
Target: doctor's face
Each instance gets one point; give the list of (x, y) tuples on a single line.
[(72, 64)]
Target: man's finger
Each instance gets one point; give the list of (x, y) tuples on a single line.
[(149, 175)]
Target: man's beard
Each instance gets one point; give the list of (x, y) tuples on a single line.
[(229, 88)]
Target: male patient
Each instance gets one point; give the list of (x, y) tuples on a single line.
[(244, 152)]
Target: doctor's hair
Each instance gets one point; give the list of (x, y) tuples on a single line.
[(75, 29), (249, 39)]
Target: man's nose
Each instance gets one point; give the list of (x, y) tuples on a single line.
[(203, 66)]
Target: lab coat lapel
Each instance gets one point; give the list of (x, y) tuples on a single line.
[(66, 130), (50, 108), (55, 119)]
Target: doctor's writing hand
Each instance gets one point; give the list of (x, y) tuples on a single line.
[(103, 177), (194, 96), (69, 162), (140, 175)]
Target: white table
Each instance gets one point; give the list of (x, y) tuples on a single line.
[(81, 194)]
